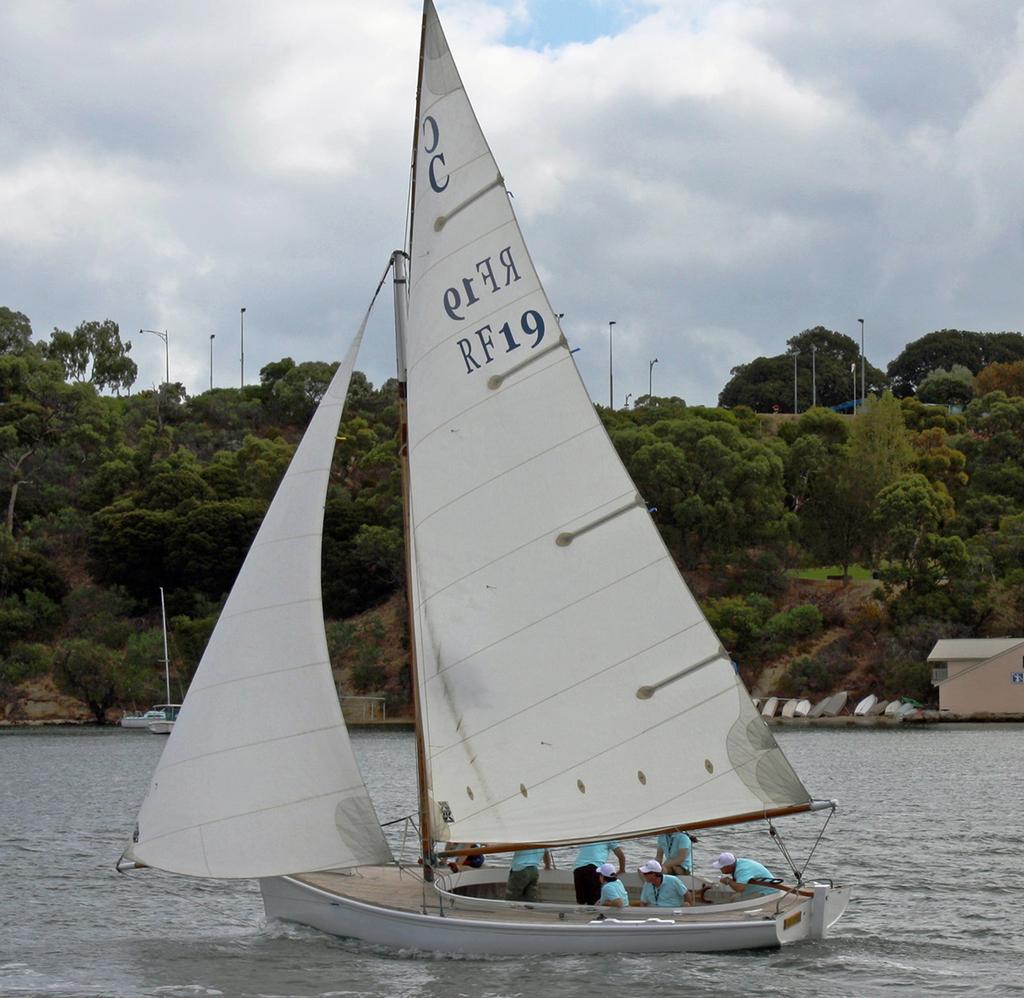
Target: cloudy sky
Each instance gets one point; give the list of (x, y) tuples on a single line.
[(713, 175)]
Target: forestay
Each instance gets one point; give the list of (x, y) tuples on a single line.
[(572, 687), (258, 778)]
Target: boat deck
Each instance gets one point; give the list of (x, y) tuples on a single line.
[(403, 889)]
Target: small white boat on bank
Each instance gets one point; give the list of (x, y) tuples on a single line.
[(802, 709), (863, 708), (789, 708), (771, 705), (159, 713)]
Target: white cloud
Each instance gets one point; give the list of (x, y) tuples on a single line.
[(714, 176)]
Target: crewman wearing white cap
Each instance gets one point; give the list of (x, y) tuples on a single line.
[(740, 872), (613, 893), (661, 890)]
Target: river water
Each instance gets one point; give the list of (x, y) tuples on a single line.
[(929, 832)]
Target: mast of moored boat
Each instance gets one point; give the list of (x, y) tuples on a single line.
[(167, 659)]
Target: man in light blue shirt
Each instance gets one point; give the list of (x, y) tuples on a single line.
[(739, 872), (584, 874), (674, 851), (524, 874), (613, 893), (661, 890)]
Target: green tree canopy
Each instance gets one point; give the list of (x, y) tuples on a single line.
[(952, 387), (94, 353), (822, 372), (946, 347), (15, 331)]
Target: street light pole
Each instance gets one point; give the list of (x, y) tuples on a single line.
[(629, 395), (241, 341), (611, 369), (213, 336), (814, 377), (796, 353), (863, 385), (167, 352), (650, 376)]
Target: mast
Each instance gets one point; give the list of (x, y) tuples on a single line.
[(399, 261), (167, 659)]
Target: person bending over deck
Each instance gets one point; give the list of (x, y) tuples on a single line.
[(675, 850), (739, 874), (524, 873), (584, 874), (613, 893), (471, 861), (661, 890)]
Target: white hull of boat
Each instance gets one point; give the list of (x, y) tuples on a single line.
[(138, 722), (864, 707), (632, 930), (160, 727)]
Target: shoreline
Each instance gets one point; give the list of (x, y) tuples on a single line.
[(926, 717)]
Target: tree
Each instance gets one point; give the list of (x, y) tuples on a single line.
[(93, 673), (996, 377), (947, 347), (767, 382), (716, 489), (94, 353), (15, 331), (922, 566), (42, 421), (952, 387)]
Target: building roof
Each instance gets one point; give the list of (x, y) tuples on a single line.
[(971, 649)]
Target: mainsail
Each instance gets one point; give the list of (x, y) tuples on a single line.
[(572, 688), (258, 777)]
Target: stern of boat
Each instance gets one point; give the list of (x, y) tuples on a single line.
[(824, 907)]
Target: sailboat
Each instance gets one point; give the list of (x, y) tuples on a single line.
[(159, 719), (567, 687)]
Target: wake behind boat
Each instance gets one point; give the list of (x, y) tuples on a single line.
[(556, 650)]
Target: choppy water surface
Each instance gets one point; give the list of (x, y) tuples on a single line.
[(929, 832)]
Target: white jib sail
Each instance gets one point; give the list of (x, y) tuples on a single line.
[(572, 687), (258, 777)]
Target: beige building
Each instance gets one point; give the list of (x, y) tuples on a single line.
[(979, 675)]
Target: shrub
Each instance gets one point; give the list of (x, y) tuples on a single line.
[(801, 622), (806, 676)]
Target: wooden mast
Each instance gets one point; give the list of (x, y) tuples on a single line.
[(400, 262)]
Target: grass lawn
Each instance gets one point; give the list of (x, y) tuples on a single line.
[(856, 572)]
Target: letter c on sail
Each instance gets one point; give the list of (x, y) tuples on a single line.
[(433, 134)]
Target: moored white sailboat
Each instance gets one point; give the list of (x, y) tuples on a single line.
[(557, 650)]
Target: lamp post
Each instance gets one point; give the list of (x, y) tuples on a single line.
[(650, 375), (794, 354), (213, 336), (167, 352), (853, 373), (241, 341), (863, 386), (611, 369), (814, 377), (629, 395)]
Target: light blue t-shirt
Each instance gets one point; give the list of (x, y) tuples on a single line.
[(525, 858), (748, 868), (671, 893), (673, 842), (612, 890), (594, 852)]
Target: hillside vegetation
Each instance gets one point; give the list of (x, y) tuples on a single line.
[(110, 496)]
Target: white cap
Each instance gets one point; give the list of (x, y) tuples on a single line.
[(725, 859), (606, 870), (651, 866)]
